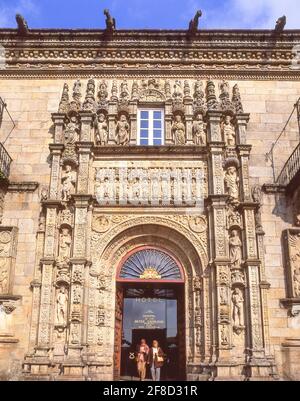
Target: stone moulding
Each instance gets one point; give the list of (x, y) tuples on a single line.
[(240, 53), (22, 186)]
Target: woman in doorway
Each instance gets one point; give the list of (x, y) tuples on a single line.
[(142, 352), (156, 360)]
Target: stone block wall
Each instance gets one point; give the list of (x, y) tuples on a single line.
[(31, 102)]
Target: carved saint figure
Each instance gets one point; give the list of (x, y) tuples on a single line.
[(228, 131), (62, 306), (224, 336), (199, 133), (238, 307), (110, 21), (122, 131), (235, 249), (101, 130), (223, 295), (178, 131), (3, 277), (296, 279), (64, 245), (72, 130), (232, 182), (68, 182)]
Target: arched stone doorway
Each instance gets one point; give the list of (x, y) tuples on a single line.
[(188, 249), (150, 304)]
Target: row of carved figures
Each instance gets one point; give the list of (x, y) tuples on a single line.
[(202, 96), (123, 134)]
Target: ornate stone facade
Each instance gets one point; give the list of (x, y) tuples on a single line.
[(197, 197)]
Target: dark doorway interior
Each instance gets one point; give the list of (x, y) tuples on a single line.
[(151, 312)]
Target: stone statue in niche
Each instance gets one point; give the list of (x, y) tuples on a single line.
[(228, 131), (238, 307), (101, 130), (178, 131), (72, 131), (199, 131), (65, 242), (68, 182), (62, 306), (224, 335), (4, 275), (122, 131), (235, 249), (232, 182), (223, 296), (296, 281)]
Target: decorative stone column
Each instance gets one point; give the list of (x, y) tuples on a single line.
[(241, 123), (216, 177), (47, 293), (168, 122), (244, 155), (112, 115), (87, 119), (84, 152), (56, 154), (214, 126), (59, 124), (133, 122)]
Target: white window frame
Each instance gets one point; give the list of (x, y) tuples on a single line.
[(150, 128)]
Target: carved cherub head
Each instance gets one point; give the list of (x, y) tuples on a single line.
[(101, 118)]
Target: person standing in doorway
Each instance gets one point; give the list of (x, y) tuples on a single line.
[(142, 352), (156, 360)]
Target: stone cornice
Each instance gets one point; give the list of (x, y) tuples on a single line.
[(212, 53)]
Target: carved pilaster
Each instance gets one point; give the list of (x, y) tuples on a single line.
[(244, 154), (45, 305), (59, 122), (84, 151), (87, 119), (255, 333), (168, 122), (36, 290), (224, 340), (241, 123), (80, 230), (216, 176), (214, 126), (250, 231), (56, 153), (77, 312)]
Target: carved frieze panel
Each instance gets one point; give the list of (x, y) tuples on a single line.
[(8, 249), (292, 266), (160, 183)]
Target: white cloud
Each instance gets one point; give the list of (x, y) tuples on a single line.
[(25, 7)]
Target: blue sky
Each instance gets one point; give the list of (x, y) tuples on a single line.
[(164, 14)]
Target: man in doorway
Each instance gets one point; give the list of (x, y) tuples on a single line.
[(141, 358)]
